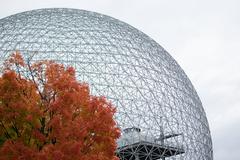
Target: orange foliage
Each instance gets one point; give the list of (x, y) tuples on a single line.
[(46, 114)]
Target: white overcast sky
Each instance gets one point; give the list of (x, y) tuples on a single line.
[(202, 35)]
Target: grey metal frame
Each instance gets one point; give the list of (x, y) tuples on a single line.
[(155, 100)]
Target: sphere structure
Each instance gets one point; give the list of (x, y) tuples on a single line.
[(158, 109)]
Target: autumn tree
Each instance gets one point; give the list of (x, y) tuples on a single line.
[(46, 114)]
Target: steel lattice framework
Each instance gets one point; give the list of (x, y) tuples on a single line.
[(158, 109)]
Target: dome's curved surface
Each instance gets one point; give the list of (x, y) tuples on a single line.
[(152, 94)]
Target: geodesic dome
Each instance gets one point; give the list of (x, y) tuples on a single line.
[(158, 110)]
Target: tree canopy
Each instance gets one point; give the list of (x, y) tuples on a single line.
[(46, 114)]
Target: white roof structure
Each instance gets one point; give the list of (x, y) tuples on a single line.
[(157, 106)]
